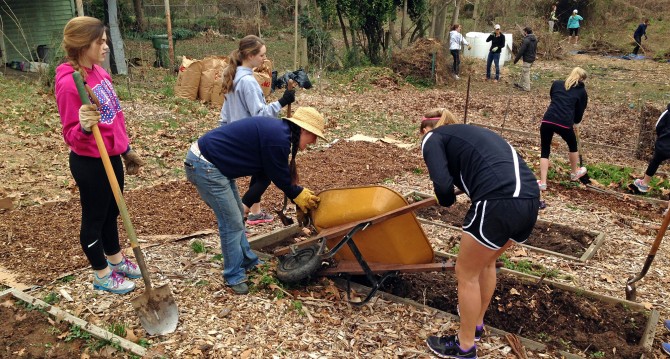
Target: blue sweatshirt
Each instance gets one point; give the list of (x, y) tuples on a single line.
[(479, 162), (255, 146), (641, 30)]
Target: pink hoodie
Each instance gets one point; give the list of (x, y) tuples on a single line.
[(112, 124)]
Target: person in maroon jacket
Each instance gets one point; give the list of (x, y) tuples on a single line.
[(85, 44), (568, 102)]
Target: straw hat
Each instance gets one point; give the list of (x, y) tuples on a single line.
[(309, 119)]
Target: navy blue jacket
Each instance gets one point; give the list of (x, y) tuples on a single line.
[(641, 30), (663, 132), (477, 161), (567, 106), (253, 146)]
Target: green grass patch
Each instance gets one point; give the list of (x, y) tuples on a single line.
[(528, 267), (621, 177), (51, 298), (198, 246)]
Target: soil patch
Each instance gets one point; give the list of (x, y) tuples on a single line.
[(559, 318), (554, 237), (31, 334)]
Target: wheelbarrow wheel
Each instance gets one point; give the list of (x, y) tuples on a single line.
[(293, 268)]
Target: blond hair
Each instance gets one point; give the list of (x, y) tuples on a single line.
[(78, 35), (250, 45), (436, 117), (577, 75)]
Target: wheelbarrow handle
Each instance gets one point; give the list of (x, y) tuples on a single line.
[(84, 92)]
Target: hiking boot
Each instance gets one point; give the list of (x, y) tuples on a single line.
[(263, 217), (449, 347), (579, 174), (113, 282), (543, 186), (666, 348), (240, 288), (126, 268), (641, 186)]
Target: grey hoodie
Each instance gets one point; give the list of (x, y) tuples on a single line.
[(528, 49)]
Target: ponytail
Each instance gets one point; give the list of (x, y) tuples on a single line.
[(250, 45), (577, 75), (295, 145)]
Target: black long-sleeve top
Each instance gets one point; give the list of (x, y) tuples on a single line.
[(477, 161), (567, 106), (663, 132), (496, 42)]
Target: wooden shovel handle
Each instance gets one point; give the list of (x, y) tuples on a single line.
[(289, 86), (84, 92)]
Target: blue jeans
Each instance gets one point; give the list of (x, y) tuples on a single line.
[(495, 58), (221, 195)]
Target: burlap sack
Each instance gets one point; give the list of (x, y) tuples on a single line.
[(188, 79), (215, 94), (214, 62), (265, 81), (207, 79)]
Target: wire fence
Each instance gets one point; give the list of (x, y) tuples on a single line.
[(187, 9)]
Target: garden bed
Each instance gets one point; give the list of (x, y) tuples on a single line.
[(34, 329), (575, 322), (547, 237)]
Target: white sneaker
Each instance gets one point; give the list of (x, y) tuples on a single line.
[(113, 282), (579, 174), (456, 77)]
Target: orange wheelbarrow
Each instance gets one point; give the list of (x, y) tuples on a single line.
[(369, 231)]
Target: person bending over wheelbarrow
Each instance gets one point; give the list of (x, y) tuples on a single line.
[(505, 204), (255, 146)]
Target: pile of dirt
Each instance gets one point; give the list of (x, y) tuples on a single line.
[(417, 61)]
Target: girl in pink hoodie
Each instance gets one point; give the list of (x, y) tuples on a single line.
[(85, 43)]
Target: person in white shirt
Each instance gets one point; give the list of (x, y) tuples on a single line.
[(456, 42)]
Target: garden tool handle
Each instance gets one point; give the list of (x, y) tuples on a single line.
[(84, 92), (289, 86)]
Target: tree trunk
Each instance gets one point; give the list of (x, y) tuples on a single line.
[(440, 20), (475, 14), (344, 28), (457, 9), (140, 24), (403, 29)]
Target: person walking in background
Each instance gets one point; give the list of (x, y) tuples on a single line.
[(661, 151), (505, 204), (256, 145), (552, 18), (456, 42), (573, 26), (497, 40), (637, 36), (566, 110), (85, 45), (527, 52), (243, 99)]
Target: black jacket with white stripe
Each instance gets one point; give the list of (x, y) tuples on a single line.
[(477, 161), (663, 132)]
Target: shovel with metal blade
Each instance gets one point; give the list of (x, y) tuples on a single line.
[(630, 284), (156, 308)]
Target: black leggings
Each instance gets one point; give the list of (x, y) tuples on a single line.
[(457, 61), (547, 131), (257, 186), (99, 234), (655, 162)]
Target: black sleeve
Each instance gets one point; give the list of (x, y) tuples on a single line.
[(435, 156), (662, 122), (581, 107), (489, 38)]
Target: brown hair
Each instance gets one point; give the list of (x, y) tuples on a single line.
[(454, 27), (436, 117), (250, 45), (78, 35)]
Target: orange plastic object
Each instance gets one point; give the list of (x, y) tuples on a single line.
[(397, 240)]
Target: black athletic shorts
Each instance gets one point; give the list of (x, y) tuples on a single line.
[(574, 31), (493, 222)]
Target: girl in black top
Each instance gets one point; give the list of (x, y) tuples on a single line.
[(497, 40), (505, 203), (661, 151), (565, 112)]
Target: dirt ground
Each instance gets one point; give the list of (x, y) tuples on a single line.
[(40, 245)]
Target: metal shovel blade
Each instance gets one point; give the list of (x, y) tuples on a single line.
[(157, 310)]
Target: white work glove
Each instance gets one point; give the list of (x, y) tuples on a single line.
[(88, 116), (494, 49)]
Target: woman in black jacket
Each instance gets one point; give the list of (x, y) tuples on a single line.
[(661, 151), (568, 102), (497, 40)]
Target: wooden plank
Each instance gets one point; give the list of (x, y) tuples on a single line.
[(595, 245), (93, 329), (660, 202), (275, 236)]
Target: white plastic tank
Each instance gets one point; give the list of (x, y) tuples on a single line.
[(480, 48)]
